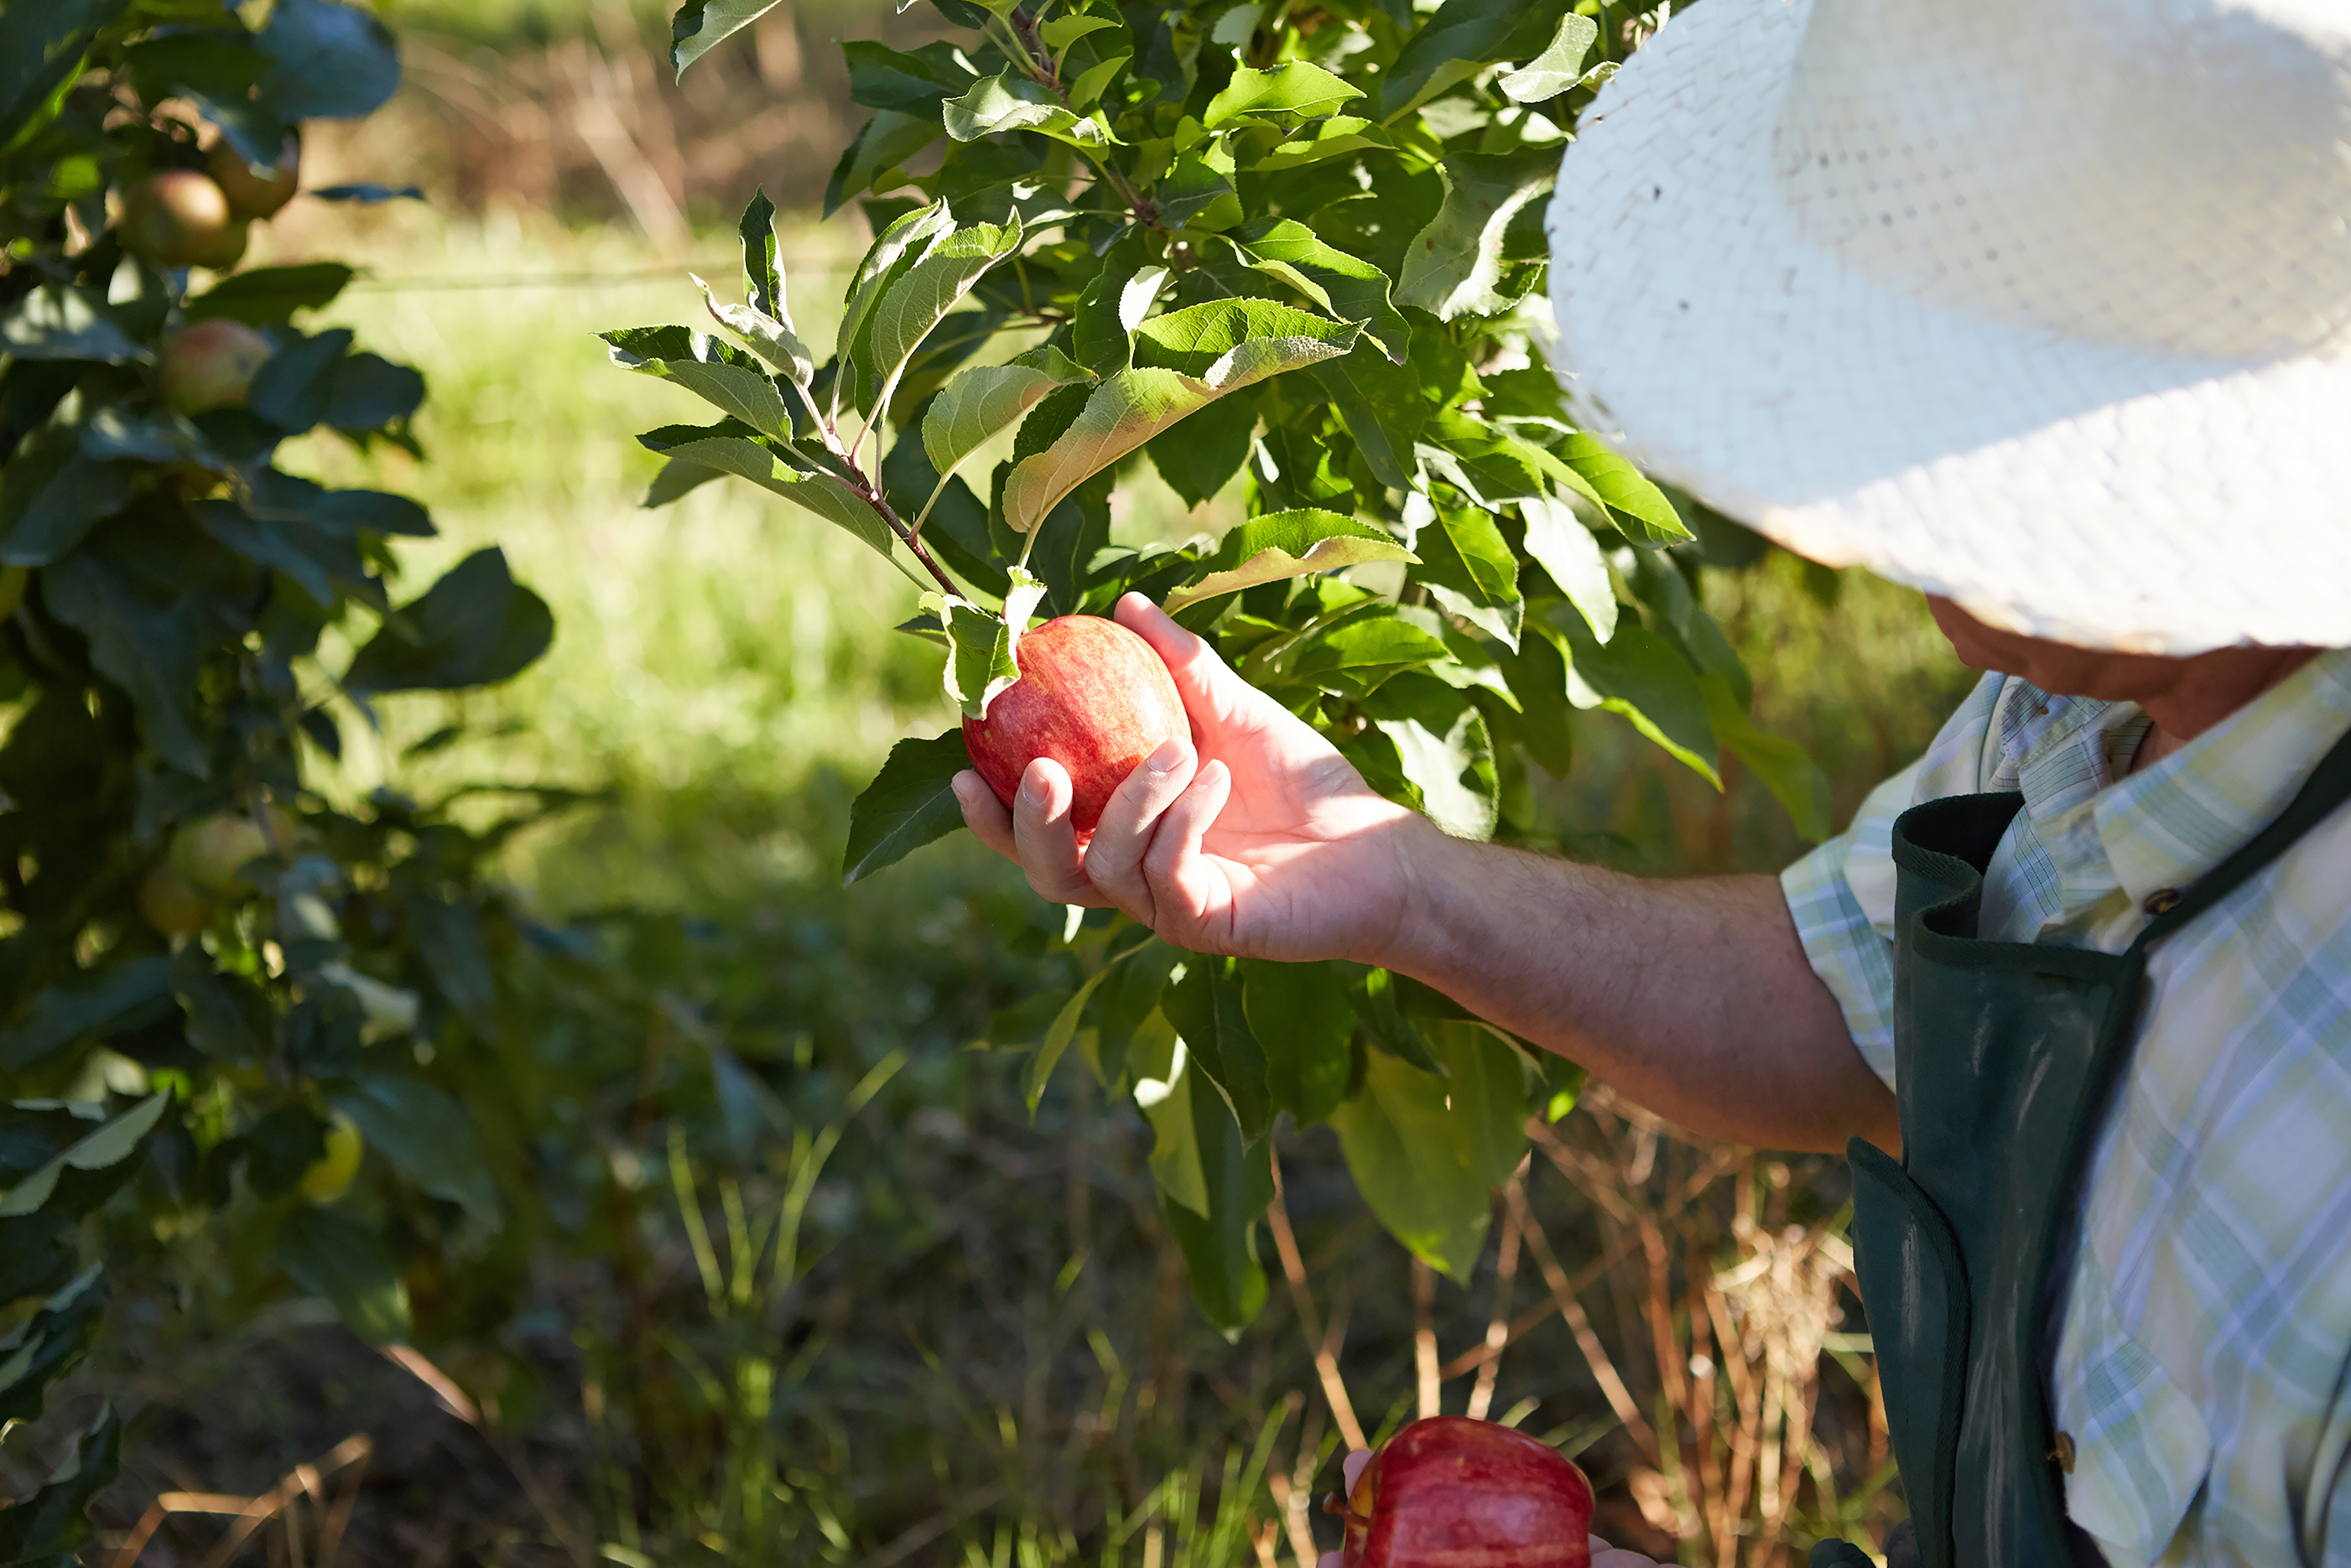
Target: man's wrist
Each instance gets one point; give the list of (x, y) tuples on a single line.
[(1437, 877)]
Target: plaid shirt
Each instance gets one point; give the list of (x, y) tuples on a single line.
[(2203, 1364)]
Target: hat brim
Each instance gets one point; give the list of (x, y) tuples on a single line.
[(2074, 490)]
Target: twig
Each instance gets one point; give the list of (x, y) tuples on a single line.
[(1498, 1326), (452, 1399), (1424, 1337), (1604, 1371), (1325, 1349)]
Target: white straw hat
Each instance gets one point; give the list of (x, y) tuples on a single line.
[(2042, 305)]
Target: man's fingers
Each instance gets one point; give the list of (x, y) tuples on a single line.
[(1113, 859), (1352, 1467), (1210, 690), (1045, 839), (1182, 880)]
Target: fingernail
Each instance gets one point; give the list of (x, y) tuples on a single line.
[(1167, 758), (1032, 792)]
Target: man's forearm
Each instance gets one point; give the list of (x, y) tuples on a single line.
[(1690, 997)]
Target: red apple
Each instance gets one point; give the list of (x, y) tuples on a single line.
[(210, 365), (1091, 696), (1468, 1494), (176, 218)]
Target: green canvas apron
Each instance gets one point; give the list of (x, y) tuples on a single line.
[(2006, 1057)]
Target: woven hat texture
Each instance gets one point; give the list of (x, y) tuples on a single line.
[(2042, 305)]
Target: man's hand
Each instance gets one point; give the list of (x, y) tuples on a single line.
[(1258, 838), (1602, 1554)]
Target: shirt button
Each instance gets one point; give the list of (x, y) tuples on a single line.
[(2162, 901), (2063, 1452)]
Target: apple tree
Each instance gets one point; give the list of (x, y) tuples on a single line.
[(1297, 249), (214, 986)]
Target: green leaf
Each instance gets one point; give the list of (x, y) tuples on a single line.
[(475, 627), (910, 803), (981, 658), (57, 321), (1558, 68), (1372, 996), (1444, 748), (1381, 404), (1625, 489), (908, 236), (1428, 1152), (1279, 545), (884, 142), (1459, 41), (912, 83), (1113, 304), (1333, 138), (1222, 347), (151, 651), (1352, 660), (700, 26), (1219, 1245), (1785, 767), (1299, 1012), (1640, 675), (1295, 86), (51, 1528), (917, 298), (52, 493), (1558, 542), (424, 1132), (47, 1344), (330, 61), (1009, 100), (266, 294), (1198, 457), (42, 50), (771, 337), (331, 1256), (1349, 287), (1470, 570), (827, 495), (714, 371), (103, 1149), (1208, 1009), (1453, 267), (986, 401), (1058, 1036), (1163, 1092), (1070, 26)]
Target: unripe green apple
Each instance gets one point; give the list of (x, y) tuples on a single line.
[(210, 365), (212, 854), (223, 257), (1447, 1492), (1091, 696), (176, 218), (329, 1177), (172, 904), (256, 190)]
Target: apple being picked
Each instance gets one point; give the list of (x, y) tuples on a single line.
[(1091, 696), (1453, 1491)]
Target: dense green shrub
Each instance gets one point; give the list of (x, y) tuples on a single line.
[(216, 990)]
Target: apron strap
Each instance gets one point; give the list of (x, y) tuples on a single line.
[(2329, 786)]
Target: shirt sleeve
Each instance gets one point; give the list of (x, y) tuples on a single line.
[(1842, 897)]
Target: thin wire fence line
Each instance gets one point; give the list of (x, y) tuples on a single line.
[(562, 280)]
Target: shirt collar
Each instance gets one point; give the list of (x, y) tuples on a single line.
[(2169, 824)]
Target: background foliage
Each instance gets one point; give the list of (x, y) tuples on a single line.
[(939, 1387)]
